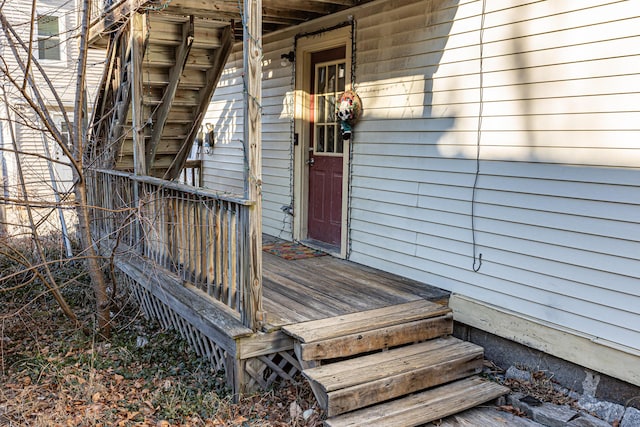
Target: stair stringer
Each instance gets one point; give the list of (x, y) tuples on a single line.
[(110, 117), (212, 77)]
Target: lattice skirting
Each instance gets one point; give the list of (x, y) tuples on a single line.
[(264, 371), (156, 309), (242, 376)]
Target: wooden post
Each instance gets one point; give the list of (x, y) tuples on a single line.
[(137, 28), (252, 312)]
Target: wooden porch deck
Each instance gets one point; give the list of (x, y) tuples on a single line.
[(328, 319), (376, 348), (300, 290)]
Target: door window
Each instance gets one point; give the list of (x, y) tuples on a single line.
[(329, 84)]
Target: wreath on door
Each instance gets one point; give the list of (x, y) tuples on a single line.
[(348, 112)]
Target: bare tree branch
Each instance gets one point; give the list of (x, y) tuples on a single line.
[(49, 280), (31, 25), (84, 217), (40, 107)]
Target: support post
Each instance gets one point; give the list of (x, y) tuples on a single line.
[(137, 27), (252, 312)]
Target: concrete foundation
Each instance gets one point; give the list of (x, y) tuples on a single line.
[(506, 353)]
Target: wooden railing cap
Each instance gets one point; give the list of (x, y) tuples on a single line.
[(196, 191)]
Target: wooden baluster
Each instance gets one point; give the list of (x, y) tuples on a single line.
[(218, 237), (209, 247)]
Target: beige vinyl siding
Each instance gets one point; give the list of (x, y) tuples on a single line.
[(557, 197)]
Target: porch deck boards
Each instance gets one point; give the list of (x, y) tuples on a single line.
[(315, 288)]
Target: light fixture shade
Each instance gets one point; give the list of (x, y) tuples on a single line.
[(287, 58)]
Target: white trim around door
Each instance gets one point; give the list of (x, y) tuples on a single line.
[(306, 46)]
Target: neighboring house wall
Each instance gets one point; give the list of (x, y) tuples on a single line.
[(555, 199), (59, 63)]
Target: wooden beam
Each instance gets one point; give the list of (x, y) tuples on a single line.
[(107, 76), (367, 341), (182, 53), (286, 17), (121, 98), (582, 349), (308, 6), (261, 344), (347, 3), (138, 29), (253, 315), (212, 318), (115, 14)]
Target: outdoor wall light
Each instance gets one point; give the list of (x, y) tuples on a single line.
[(287, 58), (209, 139)]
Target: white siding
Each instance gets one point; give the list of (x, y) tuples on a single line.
[(223, 168), (62, 74), (223, 164), (557, 196), (556, 206), (29, 130)]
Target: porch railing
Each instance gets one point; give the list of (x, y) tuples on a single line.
[(199, 235), (105, 13), (191, 173), (99, 8)]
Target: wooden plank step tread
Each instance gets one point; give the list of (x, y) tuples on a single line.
[(355, 383), (378, 339), (423, 407), (333, 327)]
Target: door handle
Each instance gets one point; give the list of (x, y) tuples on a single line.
[(311, 161)]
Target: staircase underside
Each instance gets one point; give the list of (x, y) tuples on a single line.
[(160, 75), (276, 14), (164, 59)]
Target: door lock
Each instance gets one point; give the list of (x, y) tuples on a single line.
[(311, 161)]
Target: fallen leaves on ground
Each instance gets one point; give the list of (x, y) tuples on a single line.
[(51, 373), (541, 388)]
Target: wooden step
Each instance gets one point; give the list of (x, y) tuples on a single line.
[(378, 339), (363, 332), (355, 383), (332, 327), (423, 407)]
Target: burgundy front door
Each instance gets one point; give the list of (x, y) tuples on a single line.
[(326, 147)]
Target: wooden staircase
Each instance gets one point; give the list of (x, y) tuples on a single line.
[(393, 366), (160, 74)]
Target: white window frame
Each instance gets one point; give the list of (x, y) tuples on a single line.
[(61, 15)]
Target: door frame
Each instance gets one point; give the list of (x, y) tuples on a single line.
[(304, 48)]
